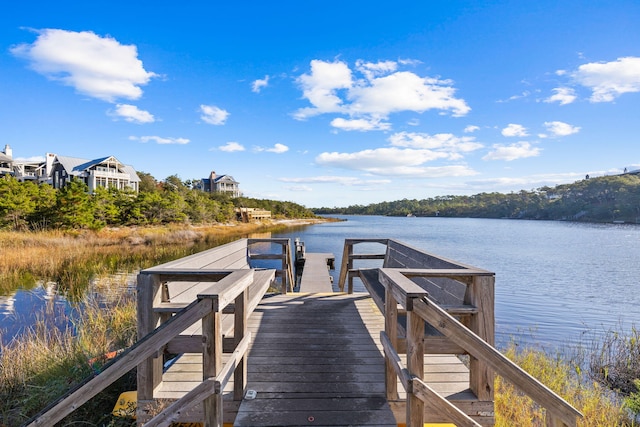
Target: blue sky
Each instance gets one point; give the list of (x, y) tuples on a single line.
[(329, 103)]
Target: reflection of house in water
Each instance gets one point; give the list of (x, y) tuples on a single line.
[(7, 306)]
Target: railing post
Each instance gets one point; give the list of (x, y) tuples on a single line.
[(212, 364), (391, 329), (149, 372), (239, 332), (347, 264), (481, 293), (415, 366)]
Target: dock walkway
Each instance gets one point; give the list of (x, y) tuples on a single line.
[(385, 357)]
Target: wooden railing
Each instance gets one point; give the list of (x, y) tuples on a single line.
[(285, 272), (146, 353), (400, 290), (348, 270)]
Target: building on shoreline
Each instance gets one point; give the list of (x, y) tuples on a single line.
[(55, 170), (219, 184)]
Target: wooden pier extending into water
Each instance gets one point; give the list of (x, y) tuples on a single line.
[(247, 351)]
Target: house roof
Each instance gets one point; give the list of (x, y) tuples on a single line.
[(5, 159), (75, 166), (227, 178)]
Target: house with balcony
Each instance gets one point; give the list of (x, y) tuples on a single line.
[(107, 172), (220, 184), (6, 161)]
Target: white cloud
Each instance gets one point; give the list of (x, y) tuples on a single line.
[(514, 130), (444, 142), (608, 80), (160, 139), (511, 152), (132, 114), (361, 125), (96, 66), (277, 148), (299, 188), (562, 95), (561, 129), (213, 115), (471, 128), (258, 84), (380, 90), (342, 180), (231, 147)]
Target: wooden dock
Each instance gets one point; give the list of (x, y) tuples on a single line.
[(386, 357)]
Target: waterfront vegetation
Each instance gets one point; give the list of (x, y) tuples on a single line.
[(28, 206), (602, 199)]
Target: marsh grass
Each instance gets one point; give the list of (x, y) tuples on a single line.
[(44, 363), (599, 405)]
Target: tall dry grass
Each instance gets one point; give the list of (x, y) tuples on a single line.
[(599, 405)]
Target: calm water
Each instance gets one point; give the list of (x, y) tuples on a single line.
[(556, 282)]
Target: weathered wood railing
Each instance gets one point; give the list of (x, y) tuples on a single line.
[(230, 286), (285, 272), (227, 287), (457, 303)]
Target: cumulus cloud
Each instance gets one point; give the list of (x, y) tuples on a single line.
[(371, 92), (444, 142), (562, 95), (277, 148), (560, 128), (231, 147), (361, 125), (609, 80), (511, 152), (160, 139), (393, 161), (132, 114), (471, 128), (99, 67), (258, 84), (342, 180), (514, 130), (213, 115)]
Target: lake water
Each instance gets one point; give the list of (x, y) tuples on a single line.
[(557, 283)]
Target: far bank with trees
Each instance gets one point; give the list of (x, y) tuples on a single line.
[(604, 199)]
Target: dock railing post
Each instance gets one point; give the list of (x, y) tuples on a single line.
[(415, 366), (239, 332), (212, 364), (391, 329), (149, 372), (481, 294)]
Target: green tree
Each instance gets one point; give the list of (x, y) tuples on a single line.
[(73, 204), (16, 202)]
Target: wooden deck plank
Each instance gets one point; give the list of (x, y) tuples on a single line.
[(315, 275), (323, 361), (298, 396)]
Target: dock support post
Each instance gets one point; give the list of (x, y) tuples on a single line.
[(149, 372), (239, 332), (415, 365), (480, 293), (212, 364), (391, 329)]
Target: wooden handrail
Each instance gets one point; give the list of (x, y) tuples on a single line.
[(405, 292), (285, 272), (348, 257), (128, 360)]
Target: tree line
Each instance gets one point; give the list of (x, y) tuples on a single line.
[(32, 206), (602, 199)]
